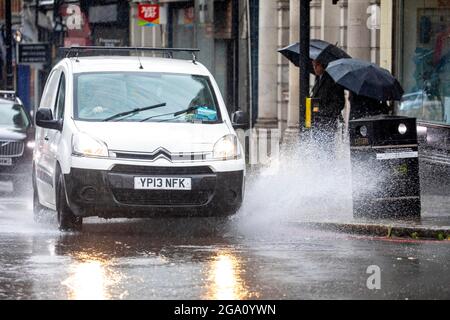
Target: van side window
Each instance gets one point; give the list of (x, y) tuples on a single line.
[(51, 87), (61, 99)]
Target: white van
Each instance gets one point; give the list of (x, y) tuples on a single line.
[(135, 137)]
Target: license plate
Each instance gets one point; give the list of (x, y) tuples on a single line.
[(162, 183), (5, 162)]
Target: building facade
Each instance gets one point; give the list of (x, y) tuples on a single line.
[(409, 38), (60, 23), (353, 25), (239, 42), (421, 61), (217, 28)]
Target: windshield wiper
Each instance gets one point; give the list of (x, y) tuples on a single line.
[(175, 114), (188, 110), (137, 110)]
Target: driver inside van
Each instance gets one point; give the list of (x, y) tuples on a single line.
[(202, 112)]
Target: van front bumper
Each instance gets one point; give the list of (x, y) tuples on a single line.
[(111, 193)]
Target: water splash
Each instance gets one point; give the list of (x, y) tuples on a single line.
[(305, 183)]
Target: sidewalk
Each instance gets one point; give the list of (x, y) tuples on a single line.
[(434, 224)]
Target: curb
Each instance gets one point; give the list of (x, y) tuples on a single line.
[(382, 230)]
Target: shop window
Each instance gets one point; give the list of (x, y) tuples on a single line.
[(223, 19), (425, 60), (103, 14)]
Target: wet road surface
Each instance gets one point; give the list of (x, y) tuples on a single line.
[(206, 259)]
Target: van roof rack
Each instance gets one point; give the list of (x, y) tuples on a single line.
[(75, 51), (8, 95)]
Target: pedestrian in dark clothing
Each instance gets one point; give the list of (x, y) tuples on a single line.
[(363, 107), (332, 102)]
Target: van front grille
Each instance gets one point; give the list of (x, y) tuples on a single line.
[(162, 198), (147, 170)]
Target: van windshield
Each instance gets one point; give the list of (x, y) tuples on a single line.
[(177, 97)]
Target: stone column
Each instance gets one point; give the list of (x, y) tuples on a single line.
[(358, 32), (268, 65), (292, 131), (330, 22), (316, 7), (283, 64), (375, 18), (343, 5), (387, 20)]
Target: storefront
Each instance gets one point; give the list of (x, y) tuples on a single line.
[(424, 59), (209, 25), (422, 63)]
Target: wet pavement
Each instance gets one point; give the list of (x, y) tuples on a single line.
[(244, 258)]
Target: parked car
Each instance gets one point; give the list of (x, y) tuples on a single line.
[(16, 142), (422, 106), (129, 137)]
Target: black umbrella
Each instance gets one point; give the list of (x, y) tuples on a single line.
[(365, 79), (319, 50)]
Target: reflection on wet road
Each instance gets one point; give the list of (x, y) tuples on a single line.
[(206, 259)]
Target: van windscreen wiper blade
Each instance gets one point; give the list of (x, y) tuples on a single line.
[(176, 114), (188, 110), (137, 110)]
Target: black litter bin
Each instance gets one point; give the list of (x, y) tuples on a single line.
[(385, 167)]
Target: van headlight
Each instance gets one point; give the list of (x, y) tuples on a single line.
[(85, 145), (227, 148)]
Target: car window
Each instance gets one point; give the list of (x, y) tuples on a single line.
[(13, 115), (61, 98), (102, 95), (51, 87)]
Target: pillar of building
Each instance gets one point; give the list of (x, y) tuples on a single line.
[(330, 18), (387, 20), (268, 65), (292, 131), (359, 36), (315, 9), (283, 63), (343, 29), (375, 20)]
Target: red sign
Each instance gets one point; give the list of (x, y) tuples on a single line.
[(148, 14)]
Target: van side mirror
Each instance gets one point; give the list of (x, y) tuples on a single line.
[(240, 120), (44, 119)]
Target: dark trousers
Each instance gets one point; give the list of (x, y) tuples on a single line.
[(324, 136)]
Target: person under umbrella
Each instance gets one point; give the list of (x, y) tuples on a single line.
[(319, 50), (370, 86), (331, 104), (332, 97)]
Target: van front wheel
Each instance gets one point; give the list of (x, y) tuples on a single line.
[(66, 219)]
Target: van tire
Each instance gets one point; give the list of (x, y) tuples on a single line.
[(67, 221), (38, 209)]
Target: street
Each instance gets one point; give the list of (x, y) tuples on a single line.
[(206, 259), (224, 150)]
